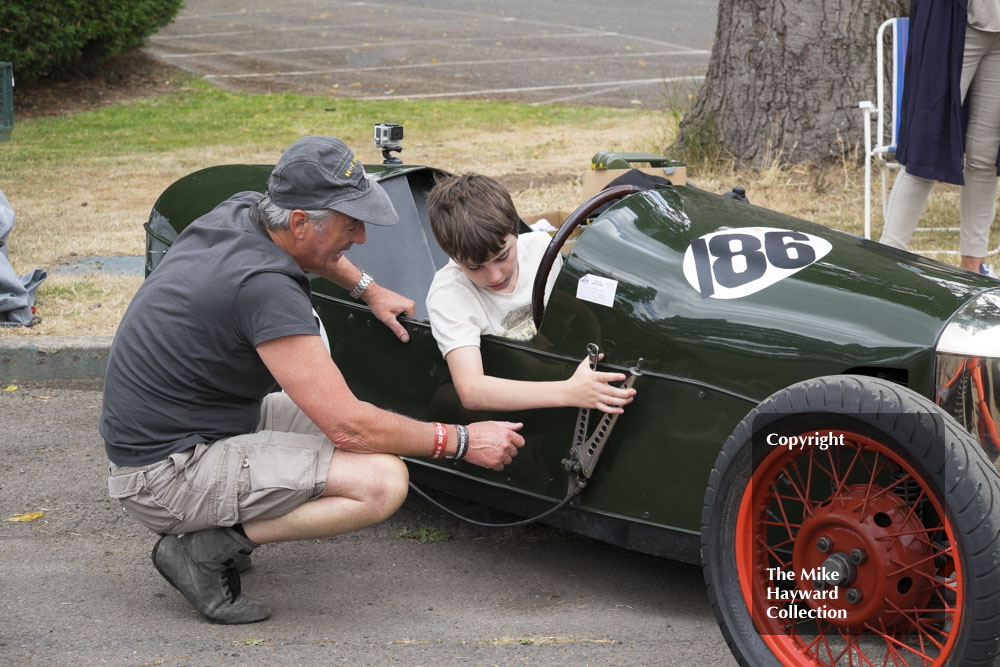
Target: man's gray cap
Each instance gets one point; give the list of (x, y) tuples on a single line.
[(321, 172)]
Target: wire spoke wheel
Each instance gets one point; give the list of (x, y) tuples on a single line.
[(858, 512), (851, 522)]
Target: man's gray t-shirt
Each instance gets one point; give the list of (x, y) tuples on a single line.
[(183, 367)]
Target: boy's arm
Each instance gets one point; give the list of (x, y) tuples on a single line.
[(585, 388)]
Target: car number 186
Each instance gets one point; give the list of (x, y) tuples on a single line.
[(731, 264)]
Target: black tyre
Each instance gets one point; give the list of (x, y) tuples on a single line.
[(880, 548)]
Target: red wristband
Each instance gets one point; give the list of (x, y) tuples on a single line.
[(440, 440)]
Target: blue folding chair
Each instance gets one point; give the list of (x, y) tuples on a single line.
[(883, 151)]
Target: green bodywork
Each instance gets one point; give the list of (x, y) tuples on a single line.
[(862, 308)]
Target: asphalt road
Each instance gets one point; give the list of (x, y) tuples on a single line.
[(77, 587), (584, 52)]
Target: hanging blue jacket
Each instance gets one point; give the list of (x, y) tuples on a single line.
[(932, 125)]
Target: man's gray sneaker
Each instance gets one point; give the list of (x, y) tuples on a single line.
[(242, 562), (202, 567)]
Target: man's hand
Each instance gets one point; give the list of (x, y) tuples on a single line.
[(493, 444), (387, 305)]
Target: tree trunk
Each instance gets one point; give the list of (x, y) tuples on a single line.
[(785, 78)]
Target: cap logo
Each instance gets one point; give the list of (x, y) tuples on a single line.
[(350, 167)]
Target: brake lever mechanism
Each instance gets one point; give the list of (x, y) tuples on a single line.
[(584, 452)]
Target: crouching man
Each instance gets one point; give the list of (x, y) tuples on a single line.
[(202, 451)]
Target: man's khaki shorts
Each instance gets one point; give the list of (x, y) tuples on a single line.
[(261, 475)]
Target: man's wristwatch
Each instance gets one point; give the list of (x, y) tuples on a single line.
[(362, 285)]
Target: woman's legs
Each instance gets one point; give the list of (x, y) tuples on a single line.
[(906, 202), (982, 142)]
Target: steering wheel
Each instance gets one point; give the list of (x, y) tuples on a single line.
[(563, 233)]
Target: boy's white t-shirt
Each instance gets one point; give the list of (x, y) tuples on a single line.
[(460, 312)]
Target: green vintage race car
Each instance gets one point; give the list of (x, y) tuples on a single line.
[(815, 420)]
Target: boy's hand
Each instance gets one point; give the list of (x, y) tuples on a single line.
[(590, 389), (387, 305), (493, 444)]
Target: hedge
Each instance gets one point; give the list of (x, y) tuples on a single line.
[(50, 37)]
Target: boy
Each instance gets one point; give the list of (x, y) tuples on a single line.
[(486, 289)]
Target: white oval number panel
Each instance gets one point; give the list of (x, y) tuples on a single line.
[(738, 262)]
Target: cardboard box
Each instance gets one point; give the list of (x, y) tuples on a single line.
[(555, 218)]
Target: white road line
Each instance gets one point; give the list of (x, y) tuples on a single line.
[(545, 24), (263, 29), (380, 44), (457, 63), (591, 93), (242, 12), (526, 89), (583, 30), (199, 35), (212, 15)]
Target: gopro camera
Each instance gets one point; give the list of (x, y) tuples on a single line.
[(388, 135)]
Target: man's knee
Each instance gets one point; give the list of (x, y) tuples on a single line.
[(392, 484)]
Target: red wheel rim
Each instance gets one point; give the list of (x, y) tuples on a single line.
[(860, 496)]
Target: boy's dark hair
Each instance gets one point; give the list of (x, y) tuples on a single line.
[(471, 216)]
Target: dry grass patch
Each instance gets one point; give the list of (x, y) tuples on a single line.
[(73, 305), (95, 207)]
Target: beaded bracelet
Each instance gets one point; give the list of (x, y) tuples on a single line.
[(463, 443), (440, 440)]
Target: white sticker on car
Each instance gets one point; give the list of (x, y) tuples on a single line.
[(597, 289), (735, 263)]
